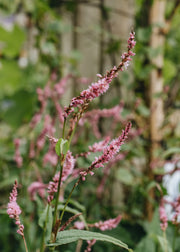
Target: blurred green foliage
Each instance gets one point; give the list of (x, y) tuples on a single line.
[(22, 71)]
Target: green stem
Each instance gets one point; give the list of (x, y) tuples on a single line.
[(25, 243), (71, 136), (54, 231), (69, 197), (64, 126), (60, 178), (44, 231), (55, 223), (165, 238), (174, 239), (57, 196)]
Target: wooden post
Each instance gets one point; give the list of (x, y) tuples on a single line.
[(157, 21)]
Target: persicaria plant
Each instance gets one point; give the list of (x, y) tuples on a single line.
[(56, 231)]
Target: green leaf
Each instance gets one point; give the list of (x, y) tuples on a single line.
[(11, 46), (57, 26), (124, 176), (69, 236), (114, 46), (18, 108), (143, 34), (151, 185), (154, 52), (164, 243), (146, 244), (10, 82), (49, 223), (3, 211), (169, 70), (8, 182), (171, 151), (153, 227), (45, 215), (143, 110), (61, 147), (46, 220), (77, 205)]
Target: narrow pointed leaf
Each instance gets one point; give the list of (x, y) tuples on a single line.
[(69, 236), (46, 214), (61, 147), (164, 244)]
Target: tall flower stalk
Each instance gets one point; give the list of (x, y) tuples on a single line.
[(102, 85), (81, 102), (14, 211), (66, 161)]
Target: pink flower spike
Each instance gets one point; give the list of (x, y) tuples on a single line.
[(36, 187), (131, 53), (175, 218), (52, 187), (90, 244), (17, 157), (52, 139), (163, 217), (97, 147), (102, 85), (109, 152), (108, 224), (13, 209), (68, 165), (112, 149)]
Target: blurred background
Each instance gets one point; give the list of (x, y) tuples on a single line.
[(44, 42)]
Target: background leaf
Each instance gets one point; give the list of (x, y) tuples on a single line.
[(69, 236)]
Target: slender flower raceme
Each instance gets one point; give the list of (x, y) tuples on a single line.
[(17, 157), (67, 170), (176, 216), (69, 221), (32, 152), (68, 165), (36, 187), (13, 209), (97, 147), (52, 187), (51, 156), (108, 224), (48, 129), (106, 171), (102, 225), (101, 86), (90, 244), (109, 152), (163, 217)]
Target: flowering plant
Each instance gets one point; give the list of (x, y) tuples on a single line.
[(61, 157)]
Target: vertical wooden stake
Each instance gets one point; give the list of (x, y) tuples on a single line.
[(157, 21)]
